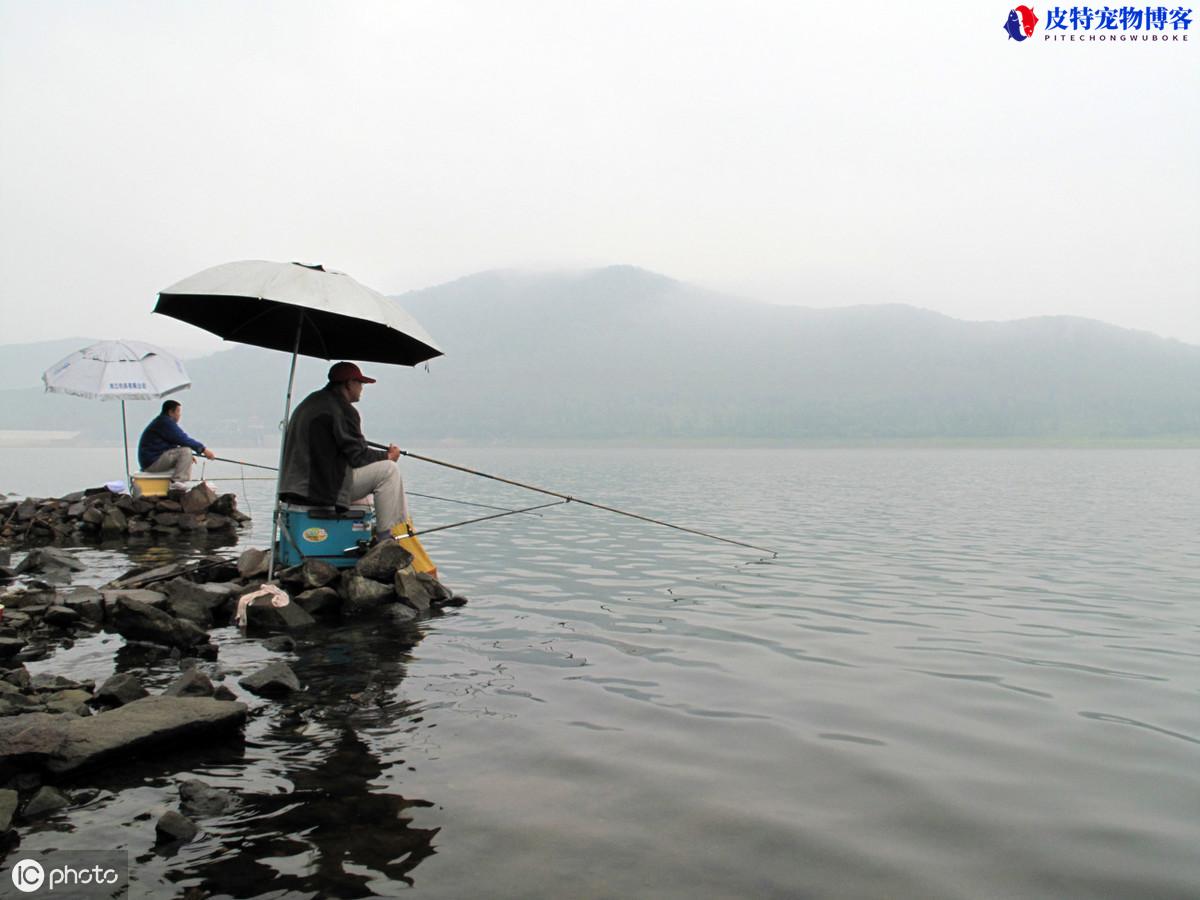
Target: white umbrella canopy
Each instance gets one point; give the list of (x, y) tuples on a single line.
[(118, 370)]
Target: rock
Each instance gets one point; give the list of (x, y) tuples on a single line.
[(192, 683), (216, 598), (8, 807), (167, 519), (382, 561), (310, 574), (61, 617), (173, 828), (274, 680), (139, 527), (10, 647), (280, 644), (224, 693), (401, 612), (140, 578), (86, 601), (192, 522), (189, 610), (47, 681), (152, 722), (266, 615), (44, 559), (150, 598), (252, 562), (32, 739), (74, 702), (120, 689), (199, 799), (421, 590), (44, 802), (114, 522), (360, 594), (320, 602), (215, 521), (92, 516), (198, 499), (224, 505), (140, 622)]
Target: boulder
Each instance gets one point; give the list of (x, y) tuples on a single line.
[(266, 615), (360, 594), (46, 559), (47, 681), (192, 683), (140, 622), (87, 601), (155, 599), (73, 702), (320, 603), (382, 561), (252, 562), (217, 598), (274, 680), (149, 723), (310, 574), (192, 522), (414, 592), (8, 808), (10, 647), (172, 828), (47, 800), (198, 499), (280, 644), (32, 738), (224, 693), (61, 617), (199, 799), (120, 689), (114, 522)]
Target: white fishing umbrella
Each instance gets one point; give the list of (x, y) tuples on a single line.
[(118, 370), (302, 310)]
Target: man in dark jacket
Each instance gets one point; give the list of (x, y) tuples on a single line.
[(326, 460), (165, 447)]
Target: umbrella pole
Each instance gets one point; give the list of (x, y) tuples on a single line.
[(125, 436), (287, 412)]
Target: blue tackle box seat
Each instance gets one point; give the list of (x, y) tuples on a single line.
[(311, 532)]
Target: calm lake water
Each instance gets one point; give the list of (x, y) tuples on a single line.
[(967, 674)]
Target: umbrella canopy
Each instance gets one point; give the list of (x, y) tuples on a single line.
[(263, 303), (117, 370)]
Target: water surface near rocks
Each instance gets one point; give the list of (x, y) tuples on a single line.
[(968, 673)]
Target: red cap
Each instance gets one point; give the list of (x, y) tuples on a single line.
[(347, 371)]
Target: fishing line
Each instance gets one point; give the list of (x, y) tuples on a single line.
[(569, 499)]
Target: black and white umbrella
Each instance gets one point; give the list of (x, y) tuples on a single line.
[(300, 309)]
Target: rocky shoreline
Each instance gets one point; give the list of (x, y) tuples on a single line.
[(100, 513), (56, 732)]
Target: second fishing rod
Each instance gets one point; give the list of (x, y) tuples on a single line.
[(568, 498)]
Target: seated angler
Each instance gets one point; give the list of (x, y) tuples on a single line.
[(326, 459), (165, 447)]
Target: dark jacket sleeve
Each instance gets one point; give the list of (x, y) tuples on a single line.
[(348, 436), (177, 436)]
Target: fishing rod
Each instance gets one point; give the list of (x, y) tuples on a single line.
[(505, 509), (568, 498), (511, 512)]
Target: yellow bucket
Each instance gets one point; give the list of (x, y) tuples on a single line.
[(151, 484), (404, 537)]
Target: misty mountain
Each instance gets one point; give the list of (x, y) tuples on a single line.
[(621, 353)]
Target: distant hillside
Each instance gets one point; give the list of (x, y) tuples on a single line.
[(628, 354)]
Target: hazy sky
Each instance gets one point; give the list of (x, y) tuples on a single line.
[(815, 153)]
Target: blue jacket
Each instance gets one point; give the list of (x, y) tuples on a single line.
[(161, 435)]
